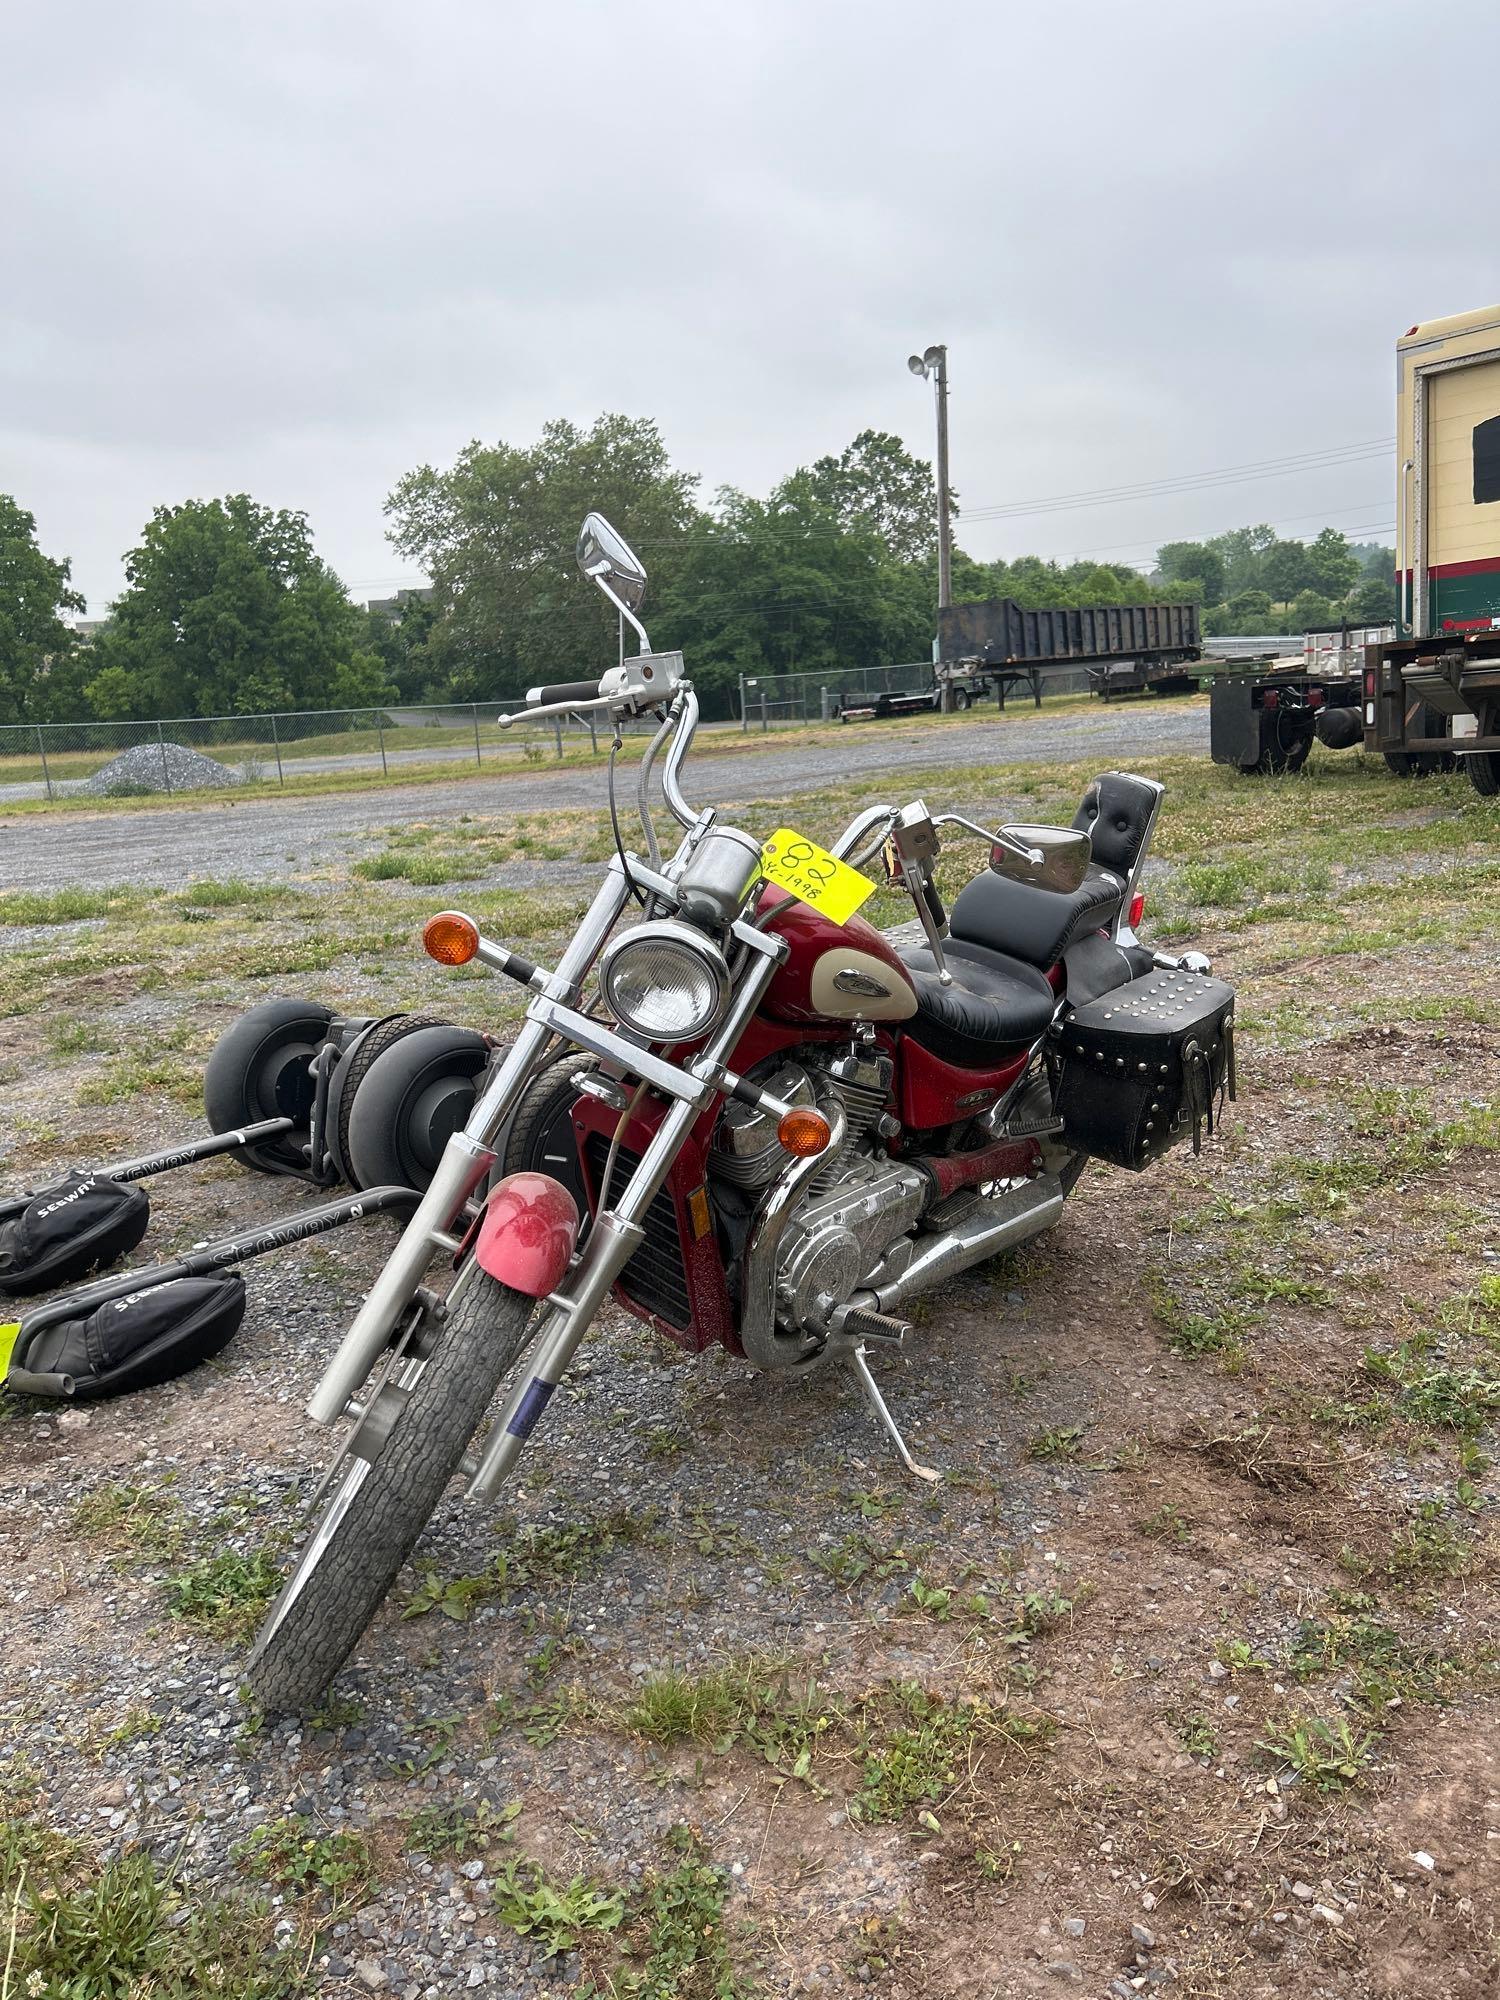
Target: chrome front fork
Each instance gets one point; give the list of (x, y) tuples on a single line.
[(467, 1159), (470, 1154)]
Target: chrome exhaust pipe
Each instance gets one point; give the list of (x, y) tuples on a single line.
[(995, 1225)]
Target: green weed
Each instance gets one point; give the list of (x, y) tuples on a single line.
[(1328, 1755), (554, 1916), (287, 1854)]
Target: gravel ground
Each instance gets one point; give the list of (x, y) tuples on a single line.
[(1153, 1523), (274, 838)]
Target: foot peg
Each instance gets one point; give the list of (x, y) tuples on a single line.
[(855, 1361), (861, 1323)]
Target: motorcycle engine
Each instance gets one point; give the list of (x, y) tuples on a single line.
[(859, 1205)]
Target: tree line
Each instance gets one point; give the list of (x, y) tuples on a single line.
[(228, 609)]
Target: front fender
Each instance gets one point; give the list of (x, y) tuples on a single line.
[(527, 1233)]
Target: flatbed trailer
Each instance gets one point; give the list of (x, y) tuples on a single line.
[(1425, 693)]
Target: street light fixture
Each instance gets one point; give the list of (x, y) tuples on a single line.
[(933, 363)]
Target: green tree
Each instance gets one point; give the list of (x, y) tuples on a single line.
[(779, 586), (1373, 600), (1332, 566), (875, 483), (1199, 562), (1241, 551), (37, 650), (496, 533), (227, 610), (1284, 571), (400, 637)]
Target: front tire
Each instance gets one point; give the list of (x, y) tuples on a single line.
[(1484, 772), (375, 1514)]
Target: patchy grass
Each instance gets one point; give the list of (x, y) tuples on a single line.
[(228, 1593), (290, 1854), (76, 1928)]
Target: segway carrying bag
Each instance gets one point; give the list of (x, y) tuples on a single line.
[(128, 1343), (83, 1223)]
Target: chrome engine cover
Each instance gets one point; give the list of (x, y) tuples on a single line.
[(841, 1233)]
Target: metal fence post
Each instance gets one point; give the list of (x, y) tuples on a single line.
[(276, 744), (764, 724), (593, 733), (474, 705), (744, 709), (41, 747), (557, 734), (380, 732), (166, 772)]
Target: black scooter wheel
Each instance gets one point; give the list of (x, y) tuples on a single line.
[(416, 1093), (261, 1068), (353, 1067)]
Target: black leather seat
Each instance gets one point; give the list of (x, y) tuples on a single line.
[(1035, 924), (995, 1007), (1038, 925)]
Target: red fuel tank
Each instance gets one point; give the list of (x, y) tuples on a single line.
[(836, 972)]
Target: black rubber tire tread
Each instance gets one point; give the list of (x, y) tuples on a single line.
[(374, 1153), (543, 1099), (475, 1349), (227, 1098), (356, 1067), (1484, 772)]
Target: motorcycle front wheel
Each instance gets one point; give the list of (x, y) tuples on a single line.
[(378, 1507)]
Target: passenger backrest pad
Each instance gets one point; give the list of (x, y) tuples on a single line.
[(1116, 813)]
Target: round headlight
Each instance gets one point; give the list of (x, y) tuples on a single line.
[(664, 981)]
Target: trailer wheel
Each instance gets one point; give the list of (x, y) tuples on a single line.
[(960, 700), (261, 1068), (1276, 754), (415, 1095), (1484, 772), (1422, 763)]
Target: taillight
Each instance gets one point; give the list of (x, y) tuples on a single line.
[(1137, 908), (1272, 699), (1370, 684)]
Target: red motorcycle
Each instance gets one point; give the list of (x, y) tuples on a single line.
[(751, 1118)]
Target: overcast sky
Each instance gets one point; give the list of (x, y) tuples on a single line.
[(298, 249)]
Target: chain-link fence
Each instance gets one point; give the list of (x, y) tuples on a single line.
[(132, 759)]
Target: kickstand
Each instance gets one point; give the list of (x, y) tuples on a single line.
[(855, 1361)]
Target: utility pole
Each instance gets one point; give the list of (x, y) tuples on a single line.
[(932, 364)]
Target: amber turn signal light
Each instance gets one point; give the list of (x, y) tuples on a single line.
[(803, 1132), (450, 938)]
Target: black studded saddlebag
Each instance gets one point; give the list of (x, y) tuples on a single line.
[(1146, 1066)]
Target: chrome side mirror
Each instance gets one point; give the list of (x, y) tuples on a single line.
[(609, 560), (1057, 858)]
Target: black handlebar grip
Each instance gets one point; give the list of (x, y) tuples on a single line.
[(565, 691)]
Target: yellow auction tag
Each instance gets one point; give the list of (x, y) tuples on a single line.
[(813, 875), (8, 1335)]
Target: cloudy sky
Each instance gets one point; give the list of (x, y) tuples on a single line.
[(298, 249)]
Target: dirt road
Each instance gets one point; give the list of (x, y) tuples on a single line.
[(275, 837)]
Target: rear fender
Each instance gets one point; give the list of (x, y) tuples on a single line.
[(527, 1233)]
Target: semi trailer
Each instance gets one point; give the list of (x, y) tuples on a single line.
[(1426, 693)]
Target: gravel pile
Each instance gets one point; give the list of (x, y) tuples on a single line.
[(158, 767)]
